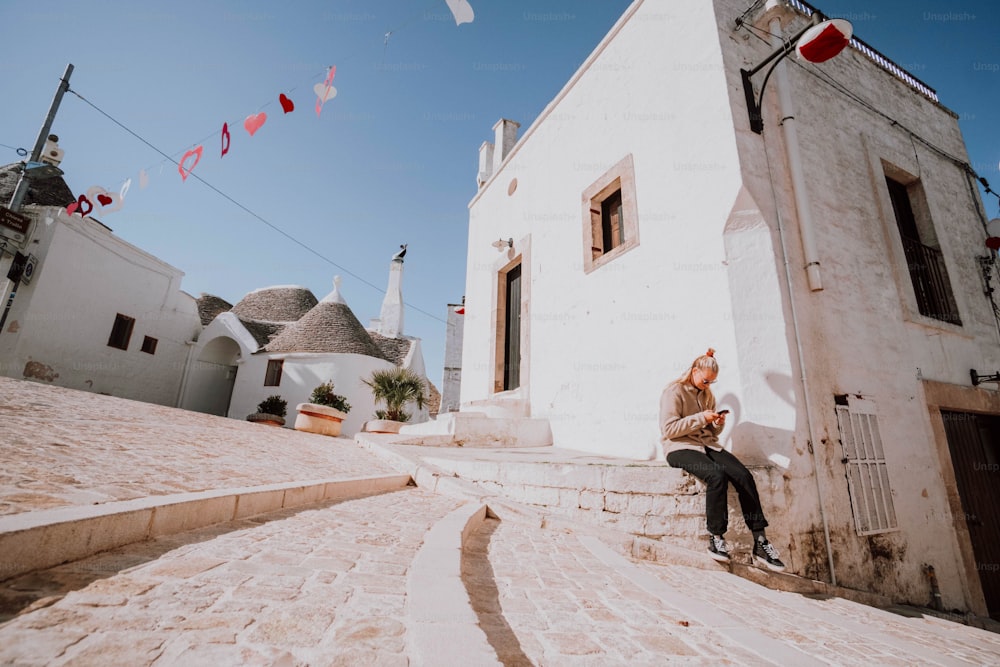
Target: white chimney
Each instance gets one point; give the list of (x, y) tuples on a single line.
[(505, 136), (51, 153), (485, 163), (390, 322)]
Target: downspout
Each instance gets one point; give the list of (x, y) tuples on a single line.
[(802, 208), (812, 263)]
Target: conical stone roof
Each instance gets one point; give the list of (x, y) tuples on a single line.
[(43, 191), (283, 303), (330, 327), (210, 306)]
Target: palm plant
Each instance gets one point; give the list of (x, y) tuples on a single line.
[(396, 387)]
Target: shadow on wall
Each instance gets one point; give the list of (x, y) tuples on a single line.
[(756, 444)]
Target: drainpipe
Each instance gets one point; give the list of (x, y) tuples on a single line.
[(812, 263), (802, 207)]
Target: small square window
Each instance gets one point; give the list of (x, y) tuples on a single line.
[(272, 378), (149, 345), (610, 224), (121, 332)]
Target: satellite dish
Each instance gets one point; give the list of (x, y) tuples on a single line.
[(824, 40)]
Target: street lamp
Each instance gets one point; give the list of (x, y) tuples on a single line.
[(815, 43)]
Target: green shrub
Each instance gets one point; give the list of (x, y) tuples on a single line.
[(273, 405), (324, 395)]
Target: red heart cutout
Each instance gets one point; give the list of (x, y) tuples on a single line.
[(286, 103), (77, 206), (993, 243), (104, 200), (254, 122)]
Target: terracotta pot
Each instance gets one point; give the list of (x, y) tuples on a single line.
[(265, 418), (321, 419), (383, 426)]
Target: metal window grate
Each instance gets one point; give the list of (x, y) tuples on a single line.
[(867, 473)]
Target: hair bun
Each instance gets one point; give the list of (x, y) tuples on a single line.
[(710, 353)]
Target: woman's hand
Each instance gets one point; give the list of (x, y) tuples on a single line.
[(712, 417)]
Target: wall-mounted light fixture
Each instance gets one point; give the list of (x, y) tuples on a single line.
[(500, 244), (978, 379), (816, 43)]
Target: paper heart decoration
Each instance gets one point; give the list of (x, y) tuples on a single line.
[(124, 190), (105, 199), (461, 10), (325, 91), (196, 153), (286, 104), (993, 243), (77, 206), (254, 122), (225, 139), (143, 179)]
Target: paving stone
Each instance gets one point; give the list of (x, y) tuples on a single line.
[(251, 612)]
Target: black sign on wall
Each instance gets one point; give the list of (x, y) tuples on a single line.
[(17, 267)]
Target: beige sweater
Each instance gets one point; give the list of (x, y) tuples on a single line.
[(682, 424)]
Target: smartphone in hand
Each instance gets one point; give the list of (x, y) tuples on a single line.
[(723, 412)]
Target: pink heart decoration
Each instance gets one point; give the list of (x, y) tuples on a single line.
[(325, 91), (104, 198), (286, 104), (196, 152), (254, 122), (77, 206)]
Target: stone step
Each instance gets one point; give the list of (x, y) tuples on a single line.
[(320, 584), (650, 499), (36, 540)]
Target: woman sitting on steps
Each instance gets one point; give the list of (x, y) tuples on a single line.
[(690, 429)]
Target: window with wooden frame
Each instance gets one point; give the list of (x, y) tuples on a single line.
[(610, 221), (121, 332), (272, 377), (149, 345)]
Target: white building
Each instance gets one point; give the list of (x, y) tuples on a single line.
[(832, 261), (282, 341), (93, 312)]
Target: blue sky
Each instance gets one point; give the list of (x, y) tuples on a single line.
[(393, 157)]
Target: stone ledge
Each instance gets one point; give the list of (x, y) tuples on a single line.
[(444, 628), (36, 540)]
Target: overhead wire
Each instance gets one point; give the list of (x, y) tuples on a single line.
[(243, 207)]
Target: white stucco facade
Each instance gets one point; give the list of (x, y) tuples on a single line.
[(718, 259), (228, 370), (59, 326)]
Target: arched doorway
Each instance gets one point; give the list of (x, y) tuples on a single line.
[(212, 376)]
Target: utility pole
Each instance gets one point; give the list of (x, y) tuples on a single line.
[(21, 189)]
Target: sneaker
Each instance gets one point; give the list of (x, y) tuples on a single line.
[(765, 554), (717, 548)]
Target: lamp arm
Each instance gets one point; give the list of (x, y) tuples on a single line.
[(753, 100)]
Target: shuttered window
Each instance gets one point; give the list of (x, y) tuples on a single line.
[(866, 469)]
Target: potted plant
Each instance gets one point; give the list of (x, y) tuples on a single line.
[(324, 413), (395, 387), (270, 411)]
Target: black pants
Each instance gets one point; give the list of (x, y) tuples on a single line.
[(717, 469)]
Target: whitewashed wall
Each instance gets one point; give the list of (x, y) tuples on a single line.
[(301, 373), (58, 328), (606, 343)]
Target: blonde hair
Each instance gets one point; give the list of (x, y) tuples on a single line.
[(705, 362)]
